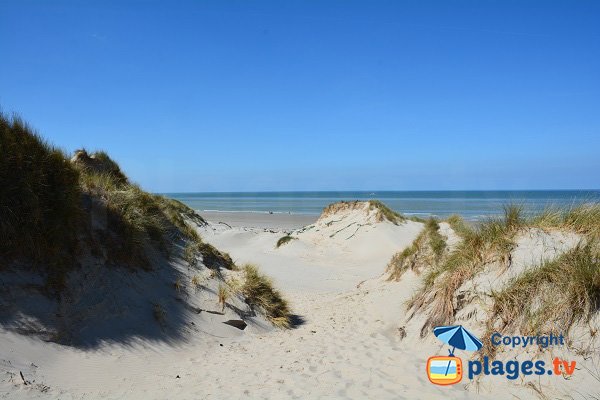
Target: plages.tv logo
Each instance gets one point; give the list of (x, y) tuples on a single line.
[(448, 370)]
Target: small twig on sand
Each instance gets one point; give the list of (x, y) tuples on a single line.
[(22, 377), (359, 226), (339, 230)]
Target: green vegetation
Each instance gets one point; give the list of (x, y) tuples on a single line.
[(196, 282), (99, 162), (259, 292), (285, 239), (426, 250), (552, 296), (436, 240), (405, 259), (159, 313), (489, 242), (39, 201), (52, 210), (458, 225), (384, 212), (583, 219), (548, 298), (214, 258), (223, 295)]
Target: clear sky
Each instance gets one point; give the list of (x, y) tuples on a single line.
[(314, 95)]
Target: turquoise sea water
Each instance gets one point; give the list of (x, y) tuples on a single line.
[(472, 205)]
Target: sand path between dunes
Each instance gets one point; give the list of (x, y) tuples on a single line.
[(351, 344)]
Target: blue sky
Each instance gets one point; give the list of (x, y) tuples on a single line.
[(321, 95)]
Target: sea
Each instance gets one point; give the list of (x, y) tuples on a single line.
[(471, 205)]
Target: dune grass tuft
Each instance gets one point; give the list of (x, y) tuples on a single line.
[(259, 292), (553, 296), (491, 241), (50, 210), (159, 313), (384, 212), (99, 163), (197, 282), (144, 216), (40, 198), (284, 240), (413, 257), (223, 295), (436, 240), (583, 219)]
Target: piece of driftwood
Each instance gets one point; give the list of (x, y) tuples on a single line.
[(236, 323), (22, 377)]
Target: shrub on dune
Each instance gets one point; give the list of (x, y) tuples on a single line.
[(259, 292), (284, 240)]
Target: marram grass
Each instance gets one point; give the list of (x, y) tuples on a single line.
[(259, 292)]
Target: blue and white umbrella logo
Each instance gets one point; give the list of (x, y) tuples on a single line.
[(457, 337)]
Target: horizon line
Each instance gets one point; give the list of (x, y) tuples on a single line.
[(380, 191)]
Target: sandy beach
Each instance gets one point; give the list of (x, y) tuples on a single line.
[(258, 220), (352, 336), (355, 200)]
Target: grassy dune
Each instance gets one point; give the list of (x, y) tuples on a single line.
[(259, 292), (54, 211), (426, 250), (549, 297), (40, 201)]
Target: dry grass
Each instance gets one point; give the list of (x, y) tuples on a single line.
[(458, 225), (190, 253), (234, 285), (491, 241), (145, 217), (47, 203), (406, 259), (382, 212), (426, 250), (549, 298), (40, 202), (437, 243), (284, 240), (197, 282), (259, 292), (215, 259), (223, 294), (553, 296), (386, 213), (178, 285), (159, 313), (583, 219)]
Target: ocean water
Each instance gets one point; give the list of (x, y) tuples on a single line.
[(472, 205)]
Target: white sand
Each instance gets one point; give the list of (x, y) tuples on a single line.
[(350, 345), (279, 221)]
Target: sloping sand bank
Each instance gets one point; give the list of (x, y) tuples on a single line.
[(353, 339)]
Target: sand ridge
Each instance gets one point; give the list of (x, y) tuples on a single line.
[(355, 339)]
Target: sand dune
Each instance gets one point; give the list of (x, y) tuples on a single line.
[(355, 338)]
